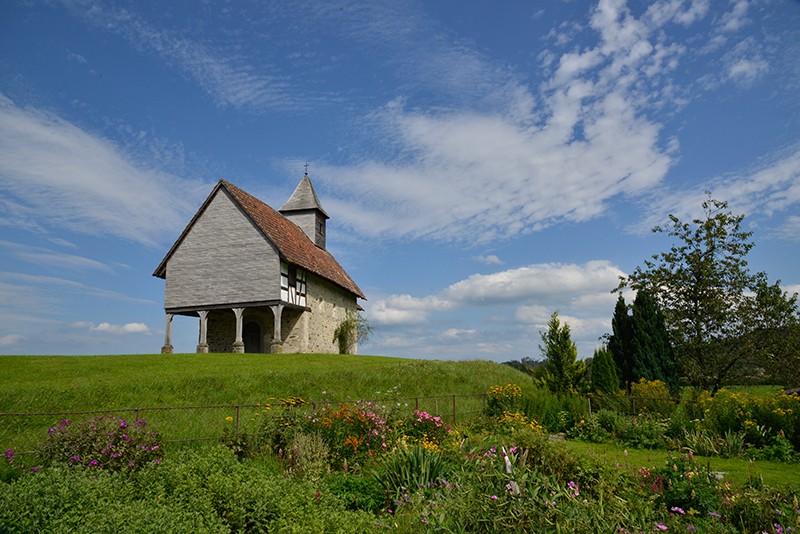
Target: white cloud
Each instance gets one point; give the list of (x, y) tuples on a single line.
[(736, 18), (747, 71), (548, 284), (54, 174), (454, 333), (555, 153), (127, 328), (11, 339), (489, 259)]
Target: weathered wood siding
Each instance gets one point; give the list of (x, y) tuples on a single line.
[(223, 259), (308, 221)]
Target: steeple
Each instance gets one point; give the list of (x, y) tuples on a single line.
[(305, 210)]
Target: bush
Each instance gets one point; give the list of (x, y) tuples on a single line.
[(502, 399), (652, 397), (103, 442), (643, 431), (760, 417)]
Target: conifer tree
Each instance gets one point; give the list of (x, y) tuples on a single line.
[(652, 354), (604, 372), (620, 344), (563, 372)]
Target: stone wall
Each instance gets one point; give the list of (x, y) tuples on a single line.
[(329, 306)]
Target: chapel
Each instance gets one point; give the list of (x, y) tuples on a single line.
[(259, 280)]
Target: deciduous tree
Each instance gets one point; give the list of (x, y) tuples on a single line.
[(713, 306)]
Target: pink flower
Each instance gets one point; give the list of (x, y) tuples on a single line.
[(661, 526), (494, 497)]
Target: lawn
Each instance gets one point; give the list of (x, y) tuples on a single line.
[(737, 470)]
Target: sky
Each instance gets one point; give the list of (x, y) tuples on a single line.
[(484, 164)]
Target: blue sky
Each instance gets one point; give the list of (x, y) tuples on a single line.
[(483, 163)]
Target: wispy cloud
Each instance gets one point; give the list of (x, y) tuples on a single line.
[(56, 175), (44, 256), (488, 259), (590, 134), (555, 153), (250, 84), (22, 283), (769, 190)]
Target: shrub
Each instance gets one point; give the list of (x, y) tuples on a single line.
[(307, 456), (104, 441), (501, 399), (760, 417), (652, 397), (643, 431)]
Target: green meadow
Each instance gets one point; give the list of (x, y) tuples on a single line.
[(50, 384)]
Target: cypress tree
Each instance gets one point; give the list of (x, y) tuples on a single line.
[(604, 372), (620, 344), (652, 355)]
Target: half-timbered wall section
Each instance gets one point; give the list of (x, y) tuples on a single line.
[(222, 259), (293, 284)]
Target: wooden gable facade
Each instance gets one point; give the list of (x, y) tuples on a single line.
[(259, 280)]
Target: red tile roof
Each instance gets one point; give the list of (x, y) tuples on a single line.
[(292, 243)]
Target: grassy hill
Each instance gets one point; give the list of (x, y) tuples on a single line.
[(74, 383)]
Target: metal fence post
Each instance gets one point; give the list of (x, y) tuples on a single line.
[(236, 421), (454, 409)]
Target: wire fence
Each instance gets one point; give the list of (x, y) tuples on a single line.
[(22, 430)]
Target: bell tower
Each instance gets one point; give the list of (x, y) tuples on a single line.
[(304, 209)]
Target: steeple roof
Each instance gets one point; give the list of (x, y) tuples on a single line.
[(304, 198)]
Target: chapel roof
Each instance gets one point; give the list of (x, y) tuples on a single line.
[(304, 198), (292, 243)]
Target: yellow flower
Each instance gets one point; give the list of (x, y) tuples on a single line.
[(229, 418)]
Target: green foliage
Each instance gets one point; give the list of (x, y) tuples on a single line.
[(652, 397), (358, 491), (722, 320), (409, 469), (102, 442), (502, 399), (306, 456), (620, 343), (761, 418), (604, 372), (652, 351), (563, 373), (353, 330)]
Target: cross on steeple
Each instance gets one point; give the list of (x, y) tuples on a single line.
[(306, 166)]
